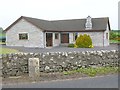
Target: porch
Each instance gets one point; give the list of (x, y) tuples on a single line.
[(59, 39)]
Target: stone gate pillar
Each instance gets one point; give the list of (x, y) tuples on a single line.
[(34, 72)]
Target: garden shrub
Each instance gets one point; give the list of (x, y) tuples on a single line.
[(114, 35), (118, 39), (71, 45), (84, 41)]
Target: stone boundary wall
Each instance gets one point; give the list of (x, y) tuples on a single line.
[(17, 64)]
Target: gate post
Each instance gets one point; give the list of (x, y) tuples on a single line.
[(34, 72)]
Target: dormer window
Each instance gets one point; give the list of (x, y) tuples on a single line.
[(88, 24)]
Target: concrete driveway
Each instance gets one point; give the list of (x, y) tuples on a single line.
[(62, 49)]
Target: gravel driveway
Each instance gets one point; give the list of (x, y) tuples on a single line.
[(62, 49)]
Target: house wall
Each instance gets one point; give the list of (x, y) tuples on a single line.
[(35, 35), (106, 41), (97, 37)]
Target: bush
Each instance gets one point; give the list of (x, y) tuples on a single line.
[(71, 45), (114, 35), (118, 39), (84, 41)]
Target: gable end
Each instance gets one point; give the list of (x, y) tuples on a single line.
[(22, 17)]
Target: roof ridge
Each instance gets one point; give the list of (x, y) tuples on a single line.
[(80, 19), (33, 18), (64, 19)]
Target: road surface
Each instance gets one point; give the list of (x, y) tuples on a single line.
[(110, 81)]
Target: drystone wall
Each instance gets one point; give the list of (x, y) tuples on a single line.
[(17, 64)]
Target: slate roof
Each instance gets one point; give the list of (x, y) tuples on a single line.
[(99, 24)]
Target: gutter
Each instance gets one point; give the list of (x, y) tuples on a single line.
[(73, 30)]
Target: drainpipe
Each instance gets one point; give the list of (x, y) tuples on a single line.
[(44, 39), (59, 38), (103, 39), (53, 39)]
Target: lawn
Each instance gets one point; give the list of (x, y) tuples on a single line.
[(114, 41), (7, 50)]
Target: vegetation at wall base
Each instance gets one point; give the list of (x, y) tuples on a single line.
[(93, 71), (71, 45)]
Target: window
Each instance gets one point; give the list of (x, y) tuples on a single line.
[(74, 36), (56, 35), (106, 35), (23, 36)]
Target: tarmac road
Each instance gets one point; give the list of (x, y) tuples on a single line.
[(110, 81)]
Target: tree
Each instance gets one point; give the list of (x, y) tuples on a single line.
[(2, 35), (1, 29)]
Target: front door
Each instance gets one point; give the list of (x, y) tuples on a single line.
[(48, 39), (64, 38)]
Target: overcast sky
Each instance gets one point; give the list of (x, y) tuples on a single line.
[(10, 10)]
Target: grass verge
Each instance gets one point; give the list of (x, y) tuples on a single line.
[(93, 71), (7, 50)]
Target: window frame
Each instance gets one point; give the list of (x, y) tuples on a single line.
[(23, 38), (74, 36), (56, 35), (107, 36)]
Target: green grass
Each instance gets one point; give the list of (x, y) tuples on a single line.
[(93, 71), (114, 41), (71, 45), (7, 50), (2, 42)]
